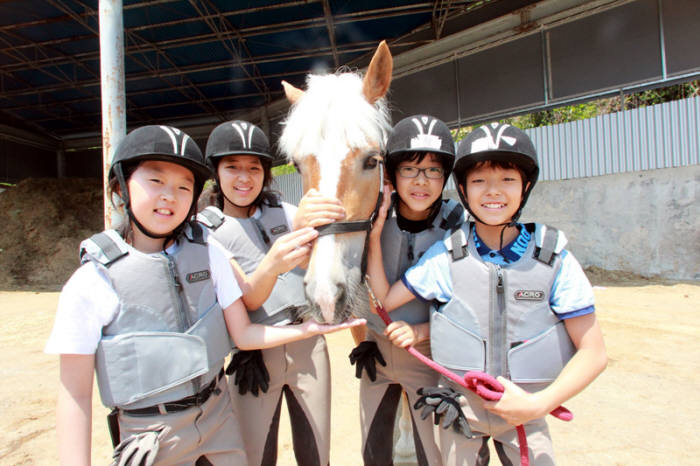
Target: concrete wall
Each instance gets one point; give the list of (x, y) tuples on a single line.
[(645, 222)]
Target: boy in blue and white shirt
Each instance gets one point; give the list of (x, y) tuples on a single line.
[(509, 300)]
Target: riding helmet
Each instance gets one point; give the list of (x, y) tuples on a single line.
[(158, 142), (420, 133), (237, 137), (164, 143), (497, 142)]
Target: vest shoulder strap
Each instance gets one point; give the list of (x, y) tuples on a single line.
[(195, 233), (456, 244), (274, 200), (103, 248), (549, 242), (211, 217), (454, 218)]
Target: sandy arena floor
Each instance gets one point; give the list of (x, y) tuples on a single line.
[(641, 411)]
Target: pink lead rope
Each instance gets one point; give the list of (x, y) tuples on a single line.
[(481, 383)]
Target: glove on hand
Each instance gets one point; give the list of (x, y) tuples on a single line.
[(443, 401), (137, 450), (251, 373), (364, 356)]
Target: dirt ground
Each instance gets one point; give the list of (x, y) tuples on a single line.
[(640, 411)]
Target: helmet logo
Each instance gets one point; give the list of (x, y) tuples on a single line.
[(424, 139), (174, 134), (242, 127), (492, 141)]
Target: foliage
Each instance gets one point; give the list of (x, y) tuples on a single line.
[(594, 108), (283, 169)]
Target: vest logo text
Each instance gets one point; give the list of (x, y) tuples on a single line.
[(278, 230), (529, 295), (197, 276)]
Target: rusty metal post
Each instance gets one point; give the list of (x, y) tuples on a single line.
[(113, 93)]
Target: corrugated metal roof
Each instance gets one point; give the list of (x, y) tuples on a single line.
[(199, 59)]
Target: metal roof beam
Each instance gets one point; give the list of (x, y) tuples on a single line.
[(245, 33), (314, 53), (328, 16), (233, 48)]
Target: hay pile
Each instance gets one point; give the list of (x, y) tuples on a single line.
[(42, 223)]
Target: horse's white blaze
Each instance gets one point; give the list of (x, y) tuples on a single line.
[(326, 290)]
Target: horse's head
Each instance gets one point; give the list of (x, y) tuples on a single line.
[(335, 133)]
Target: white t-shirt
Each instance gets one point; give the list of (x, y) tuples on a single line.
[(88, 302)]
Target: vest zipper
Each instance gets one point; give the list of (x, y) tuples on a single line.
[(497, 326), (411, 245), (183, 317)]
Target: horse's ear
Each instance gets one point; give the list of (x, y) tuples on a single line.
[(378, 77), (293, 93)]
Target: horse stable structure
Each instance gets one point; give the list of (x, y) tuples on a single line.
[(75, 76)]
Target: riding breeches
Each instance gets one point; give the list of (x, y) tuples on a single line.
[(203, 435), (379, 401), (458, 450), (300, 370)]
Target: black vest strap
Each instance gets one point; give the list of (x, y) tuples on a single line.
[(451, 222), (459, 246), (545, 253), (197, 233)]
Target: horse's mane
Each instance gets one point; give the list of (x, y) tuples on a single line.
[(333, 108)]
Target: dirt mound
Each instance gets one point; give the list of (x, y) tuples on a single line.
[(43, 222)]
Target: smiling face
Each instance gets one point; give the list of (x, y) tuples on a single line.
[(417, 195), (161, 196), (493, 192), (241, 178)]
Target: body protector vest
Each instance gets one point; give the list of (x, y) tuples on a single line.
[(169, 338), (499, 319), (402, 249), (249, 239)]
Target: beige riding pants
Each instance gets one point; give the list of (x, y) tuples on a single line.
[(210, 431), (459, 450), (379, 401), (300, 370)]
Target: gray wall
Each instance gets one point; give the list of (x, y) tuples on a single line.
[(645, 222)]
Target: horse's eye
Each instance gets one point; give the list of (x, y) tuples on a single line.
[(370, 163)]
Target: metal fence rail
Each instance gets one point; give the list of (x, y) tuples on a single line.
[(659, 136)]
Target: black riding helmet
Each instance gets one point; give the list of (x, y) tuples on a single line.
[(158, 142), (237, 137), (420, 133), (497, 142)]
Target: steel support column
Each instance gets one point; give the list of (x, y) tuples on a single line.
[(113, 93)]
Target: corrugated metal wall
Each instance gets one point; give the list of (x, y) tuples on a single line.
[(660, 136)]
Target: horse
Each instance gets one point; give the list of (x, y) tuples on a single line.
[(335, 133)]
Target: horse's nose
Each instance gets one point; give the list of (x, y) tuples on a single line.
[(328, 297)]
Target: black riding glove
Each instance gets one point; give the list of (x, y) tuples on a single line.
[(250, 370), (364, 356), (443, 401)]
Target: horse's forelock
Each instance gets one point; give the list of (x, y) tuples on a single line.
[(333, 108)]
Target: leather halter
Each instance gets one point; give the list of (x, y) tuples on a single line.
[(353, 226)]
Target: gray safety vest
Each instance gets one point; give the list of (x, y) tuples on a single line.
[(169, 338), (499, 319), (401, 249), (249, 239)]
